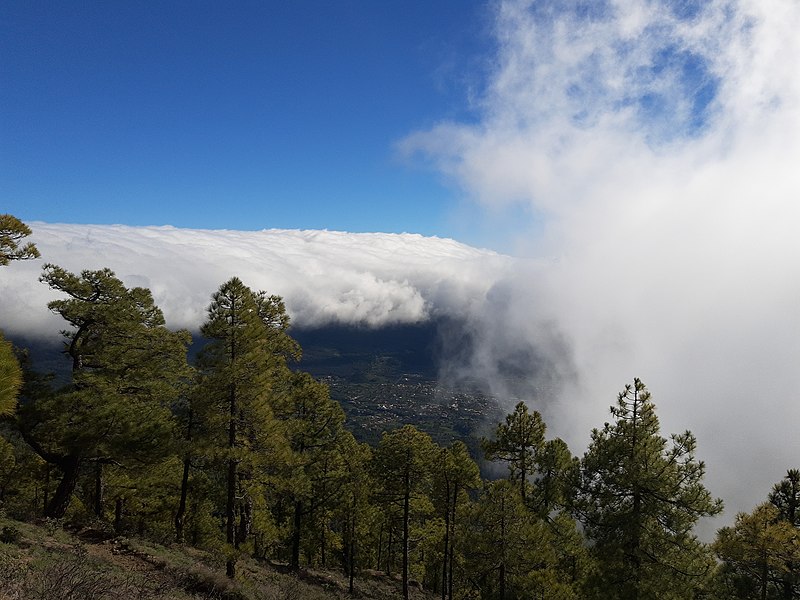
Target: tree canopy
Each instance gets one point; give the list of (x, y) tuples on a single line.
[(126, 370), (12, 233)]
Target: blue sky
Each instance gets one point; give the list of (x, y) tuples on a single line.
[(243, 115)]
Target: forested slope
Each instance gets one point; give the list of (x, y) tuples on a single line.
[(238, 463)]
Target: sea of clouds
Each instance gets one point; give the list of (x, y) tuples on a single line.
[(362, 279)]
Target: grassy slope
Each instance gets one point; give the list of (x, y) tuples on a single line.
[(43, 562)]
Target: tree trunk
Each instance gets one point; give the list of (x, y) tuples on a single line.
[(187, 463), (446, 554), (352, 554), (380, 547), (98, 489), (256, 544), (406, 517), (46, 486), (245, 520), (298, 522), (195, 525), (389, 555), (636, 560), (230, 508), (452, 543), (118, 514), (322, 540), (503, 548), (70, 466)]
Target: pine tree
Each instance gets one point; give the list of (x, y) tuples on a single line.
[(639, 500), (455, 474), (785, 496), (354, 508), (313, 426), (508, 550), (239, 366), (12, 232), (758, 553), (519, 443), (127, 368), (555, 471), (10, 378), (402, 464)]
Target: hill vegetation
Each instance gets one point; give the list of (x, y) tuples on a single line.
[(236, 476), (43, 560)]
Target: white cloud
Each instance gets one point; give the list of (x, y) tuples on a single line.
[(324, 276), (659, 150)]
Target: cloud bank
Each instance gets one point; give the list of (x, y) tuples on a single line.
[(324, 276), (657, 144)]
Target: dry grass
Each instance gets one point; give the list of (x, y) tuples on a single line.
[(43, 562)]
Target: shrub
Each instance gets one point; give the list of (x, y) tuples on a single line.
[(10, 535)]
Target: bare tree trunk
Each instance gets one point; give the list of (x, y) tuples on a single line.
[(98, 489), (406, 517), (452, 543), (298, 521), (230, 508), (70, 466), (380, 547), (187, 463), (46, 486), (445, 555), (352, 550), (245, 519), (230, 514), (118, 514), (389, 552), (503, 549), (322, 540)]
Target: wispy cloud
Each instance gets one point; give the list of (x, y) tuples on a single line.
[(658, 145)]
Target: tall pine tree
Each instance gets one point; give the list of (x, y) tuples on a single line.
[(455, 474), (247, 351), (402, 464), (639, 499)]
